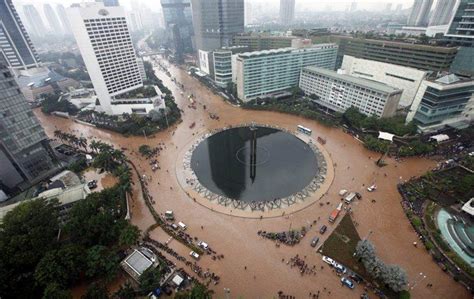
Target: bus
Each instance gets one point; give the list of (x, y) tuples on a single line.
[(304, 130)]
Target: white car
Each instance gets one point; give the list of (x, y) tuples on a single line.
[(203, 245), (194, 255), (328, 260), (372, 188)]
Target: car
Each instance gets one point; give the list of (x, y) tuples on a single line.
[(203, 245), (347, 282), (182, 225), (169, 215), (356, 278), (358, 195), (92, 184), (174, 226), (194, 255), (372, 188), (339, 268), (314, 242), (328, 260), (323, 229)]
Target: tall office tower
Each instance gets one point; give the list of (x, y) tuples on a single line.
[(147, 17), (442, 12), (248, 18), (52, 19), (398, 8), (462, 25), (109, 2), (36, 22), (104, 41), (15, 44), (179, 24), (388, 7), (25, 155), (287, 11), (134, 20), (419, 13), (353, 6), (216, 22), (61, 11)]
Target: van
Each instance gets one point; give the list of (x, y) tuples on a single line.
[(350, 197), (182, 225)]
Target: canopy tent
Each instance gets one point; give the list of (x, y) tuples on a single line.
[(440, 137), (386, 136)]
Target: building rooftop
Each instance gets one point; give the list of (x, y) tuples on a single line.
[(355, 80), (285, 50), (65, 196), (136, 263)]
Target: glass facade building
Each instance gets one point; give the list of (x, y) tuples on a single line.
[(216, 22), (179, 24), (25, 155), (15, 44)]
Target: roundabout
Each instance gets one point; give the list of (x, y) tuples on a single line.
[(252, 170)]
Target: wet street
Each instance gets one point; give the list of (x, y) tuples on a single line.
[(253, 267)]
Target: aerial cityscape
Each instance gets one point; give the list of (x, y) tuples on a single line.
[(236, 149)]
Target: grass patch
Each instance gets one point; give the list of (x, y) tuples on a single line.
[(341, 246)]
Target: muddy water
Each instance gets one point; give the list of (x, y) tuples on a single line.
[(237, 238)]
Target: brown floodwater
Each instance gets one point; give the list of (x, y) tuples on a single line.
[(237, 238)]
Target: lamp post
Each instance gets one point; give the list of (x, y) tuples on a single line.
[(418, 280)]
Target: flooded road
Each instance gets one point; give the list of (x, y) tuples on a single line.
[(237, 238)]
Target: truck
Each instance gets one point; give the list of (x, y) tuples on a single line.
[(335, 213)]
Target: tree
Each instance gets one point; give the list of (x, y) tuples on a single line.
[(125, 292), (100, 262), (54, 291), (61, 267), (26, 234), (150, 279), (365, 250), (395, 278), (129, 235), (199, 291), (96, 290)]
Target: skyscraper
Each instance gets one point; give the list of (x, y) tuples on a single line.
[(179, 25), (216, 22), (462, 25), (109, 2), (419, 13), (104, 40), (52, 19), (287, 11), (398, 8), (248, 18), (15, 44), (25, 155), (442, 12), (34, 19), (61, 11), (353, 6)]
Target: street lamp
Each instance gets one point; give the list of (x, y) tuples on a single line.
[(418, 280)]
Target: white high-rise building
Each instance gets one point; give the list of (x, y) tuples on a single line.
[(404, 78), (248, 13), (338, 92), (420, 13), (61, 11), (442, 12), (104, 40)]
